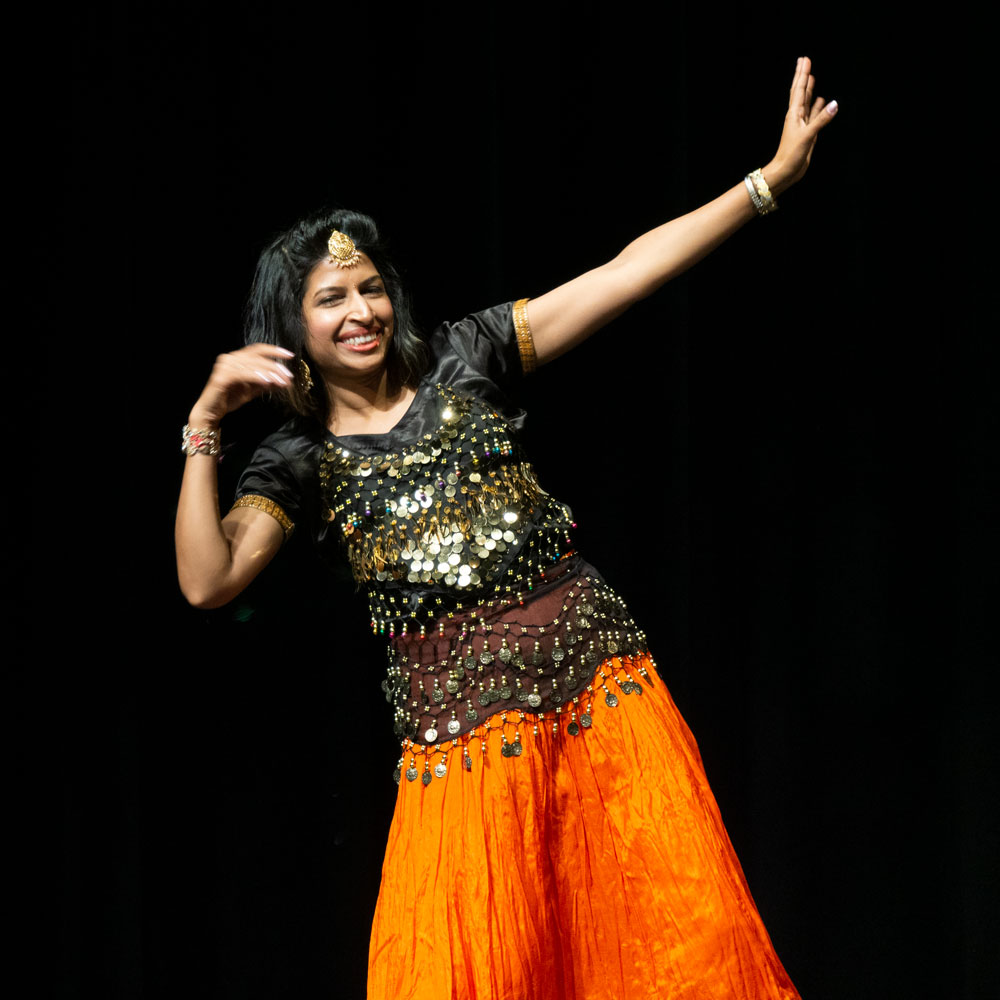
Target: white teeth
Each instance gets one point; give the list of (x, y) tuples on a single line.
[(366, 338)]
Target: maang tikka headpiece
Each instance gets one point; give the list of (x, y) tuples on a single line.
[(342, 250)]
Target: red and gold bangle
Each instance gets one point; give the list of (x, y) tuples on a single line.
[(200, 440)]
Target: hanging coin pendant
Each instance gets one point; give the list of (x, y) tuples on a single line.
[(452, 686), (507, 750), (637, 687), (397, 775), (472, 715), (441, 770), (574, 729), (397, 727), (505, 655), (516, 748), (612, 647), (611, 699), (411, 774), (537, 659), (484, 698), (586, 721), (556, 698), (627, 687), (522, 695), (470, 664), (430, 735), (426, 779), (534, 700), (494, 695), (591, 656), (518, 661), (505, 692), (558, 654), (438, 695), (468, 763), (454, 726), (572, 682), (485, 657)]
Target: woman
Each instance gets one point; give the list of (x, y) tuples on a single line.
[(596, 864)]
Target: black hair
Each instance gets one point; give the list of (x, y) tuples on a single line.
[(274, 310)]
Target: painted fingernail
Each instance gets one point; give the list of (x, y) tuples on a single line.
[(261, 376), (285, 370), (831, 108)]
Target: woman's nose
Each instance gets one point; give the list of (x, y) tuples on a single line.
[(361, 308)]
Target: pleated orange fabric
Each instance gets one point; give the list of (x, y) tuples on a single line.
[(591, 866)]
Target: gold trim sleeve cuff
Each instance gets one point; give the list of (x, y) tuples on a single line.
[(268, 506), (525, 342)]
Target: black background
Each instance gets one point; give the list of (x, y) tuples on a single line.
[(782, 461)]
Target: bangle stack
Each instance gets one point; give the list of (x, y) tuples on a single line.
[(760, 193), (199, 441)]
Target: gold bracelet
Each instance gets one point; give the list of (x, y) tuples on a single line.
[(268, 506), (760, 193), (525, 342)]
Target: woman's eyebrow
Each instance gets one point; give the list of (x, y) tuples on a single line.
[(339, 288), (327, 288)]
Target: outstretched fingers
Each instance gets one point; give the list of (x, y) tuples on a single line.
[(800, 82)]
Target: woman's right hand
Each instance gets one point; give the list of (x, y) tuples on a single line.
[(237, 378)]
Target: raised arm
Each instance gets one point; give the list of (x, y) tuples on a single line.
[(217, 557), (569, 314)]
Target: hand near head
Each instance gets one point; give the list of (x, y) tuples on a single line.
[(239, 377), (805, 117)]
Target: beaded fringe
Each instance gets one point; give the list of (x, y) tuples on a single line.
[(575, 717)]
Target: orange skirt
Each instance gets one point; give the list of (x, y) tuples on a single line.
[(590, 866)]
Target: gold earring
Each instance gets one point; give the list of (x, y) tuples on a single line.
[(305, 376)]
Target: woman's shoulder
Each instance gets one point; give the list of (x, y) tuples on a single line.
[(288, 456)]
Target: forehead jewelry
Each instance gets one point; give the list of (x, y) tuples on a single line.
[(342, 250)]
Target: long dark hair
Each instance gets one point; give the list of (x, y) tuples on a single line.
[(274, 310)]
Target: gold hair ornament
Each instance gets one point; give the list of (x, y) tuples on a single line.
[(342, 250)]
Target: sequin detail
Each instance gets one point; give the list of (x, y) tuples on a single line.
[(451, 511), (471, 577)]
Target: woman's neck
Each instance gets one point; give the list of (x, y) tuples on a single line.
[(368, 406)]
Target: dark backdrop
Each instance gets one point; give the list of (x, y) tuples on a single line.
[(780, 460)]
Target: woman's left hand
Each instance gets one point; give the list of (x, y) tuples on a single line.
[(805, 117)]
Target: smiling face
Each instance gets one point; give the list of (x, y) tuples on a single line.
[(348, 319)]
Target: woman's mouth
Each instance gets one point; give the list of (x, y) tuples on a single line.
[(362, 341)]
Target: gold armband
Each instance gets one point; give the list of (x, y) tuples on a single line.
[(525, 342), (268, 506)]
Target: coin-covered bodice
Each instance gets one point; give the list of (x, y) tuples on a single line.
[(469, 564), (471, 573)]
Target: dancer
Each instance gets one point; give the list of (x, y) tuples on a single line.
[(554, 833)]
